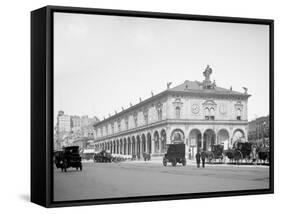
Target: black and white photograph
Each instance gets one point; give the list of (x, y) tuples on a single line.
[(149, 106)]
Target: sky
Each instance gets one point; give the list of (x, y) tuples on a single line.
[(102, 63)]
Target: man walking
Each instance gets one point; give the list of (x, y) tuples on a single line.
[(198, 159), (203, 157)]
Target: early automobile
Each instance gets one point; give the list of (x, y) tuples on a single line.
[(103, 156), (58, 158), (69, 157), (175, 154)]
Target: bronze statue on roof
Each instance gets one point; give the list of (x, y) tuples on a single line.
[(207, 73), (207, 83)]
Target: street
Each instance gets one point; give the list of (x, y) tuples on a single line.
[(128, 179)]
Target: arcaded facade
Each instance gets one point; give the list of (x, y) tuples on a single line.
[(198, 114)]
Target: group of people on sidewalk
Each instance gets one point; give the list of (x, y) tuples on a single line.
[(200, 155)]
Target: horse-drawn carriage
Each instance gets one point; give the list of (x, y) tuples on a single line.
[(263, 154), (248, 152), (216, 153), (239, 152)]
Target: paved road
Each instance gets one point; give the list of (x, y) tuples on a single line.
[(109, 180)]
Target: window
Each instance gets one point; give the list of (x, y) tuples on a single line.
[(238, 114), (119, 126), (127, 123), (178, 112), (212, 114), (207, 112), (136, 119), (146, 119), (159, 113)]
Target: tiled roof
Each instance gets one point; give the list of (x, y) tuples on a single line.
[(196, 86)]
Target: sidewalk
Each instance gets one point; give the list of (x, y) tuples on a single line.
[(158, 160)]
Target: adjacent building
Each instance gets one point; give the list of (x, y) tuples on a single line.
[(259, 130), (73, 129), (197, 114)]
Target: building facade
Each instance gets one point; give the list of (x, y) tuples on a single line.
[(72, 128), (198, 114), (63, 122), (259, 129)]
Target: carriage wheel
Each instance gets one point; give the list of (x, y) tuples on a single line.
[(211, 157)]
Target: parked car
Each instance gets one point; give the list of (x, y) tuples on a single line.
[(175, 154), (103, 156), (69, 157)]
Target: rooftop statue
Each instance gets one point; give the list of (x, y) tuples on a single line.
[(207, 73), (207, 84)]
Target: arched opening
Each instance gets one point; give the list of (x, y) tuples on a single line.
[(177, 136), (129, 146), (163, 141), (209, 139), (156, 142), (238, 136), (143, 143), (149, 143), (117, 147), (133, 145), (138, 146), (121, 146), (125, 146), (223, 138)]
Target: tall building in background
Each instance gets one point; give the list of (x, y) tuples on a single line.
[(63, 122), (72, 128)]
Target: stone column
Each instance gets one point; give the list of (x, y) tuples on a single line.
[(152, 146), (141, 148)]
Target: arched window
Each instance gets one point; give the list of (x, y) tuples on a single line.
[(178, 112)]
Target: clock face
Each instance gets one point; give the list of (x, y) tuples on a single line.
[(195, 108), (222, 109)]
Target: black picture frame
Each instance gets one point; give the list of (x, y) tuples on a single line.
[(42, 104)]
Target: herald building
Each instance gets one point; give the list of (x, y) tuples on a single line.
[(197, 114)]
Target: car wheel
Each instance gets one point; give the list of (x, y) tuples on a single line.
[(164, 162), (184, 162), (81, 167)]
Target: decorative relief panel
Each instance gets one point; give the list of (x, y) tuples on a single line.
[(195, 108), (223, 109)]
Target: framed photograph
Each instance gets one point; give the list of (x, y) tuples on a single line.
[(130, 106)]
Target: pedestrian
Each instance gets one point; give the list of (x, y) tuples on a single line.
[(198, 159), (203, 157)]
